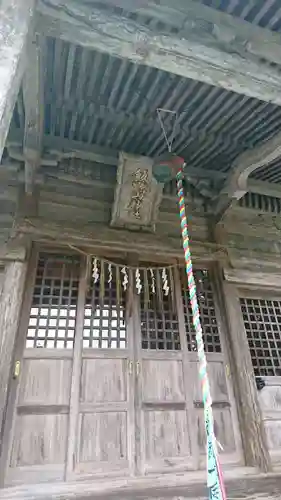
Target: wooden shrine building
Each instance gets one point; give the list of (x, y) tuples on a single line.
[(98, 364)]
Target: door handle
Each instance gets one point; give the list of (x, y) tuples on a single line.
[(16, 370), (138, 368), (130, 367)]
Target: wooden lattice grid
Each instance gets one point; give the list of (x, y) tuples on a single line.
[(159, 320), (207, 312), (54, 303), (262, 321), (105, 313)]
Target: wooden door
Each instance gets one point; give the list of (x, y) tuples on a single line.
[(224, 410), (102, 427), (164, 409), (37, 424), (73, 414), (262, 321)]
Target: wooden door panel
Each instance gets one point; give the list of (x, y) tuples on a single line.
[(270, 396), (105, 407), (223, 421), (45, 382), (217, 378), (103, 438), (165, 411), (39, 440), (39, 429), (110, 383), (102, 443), (223, 410), (273, 431), (162, 380), (270, 402), (166, 438), (262, 321), (223, 430)]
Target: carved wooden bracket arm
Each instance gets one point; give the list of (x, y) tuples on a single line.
[(236, 186)]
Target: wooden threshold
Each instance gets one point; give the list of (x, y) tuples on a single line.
[(241, 482)]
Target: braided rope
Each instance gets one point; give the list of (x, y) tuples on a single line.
[(215, 479)]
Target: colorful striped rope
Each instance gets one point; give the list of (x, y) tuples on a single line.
[(215, 478)]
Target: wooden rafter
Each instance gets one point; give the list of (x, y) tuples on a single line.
[(92, 108), (217, 51), (33, 95), (236, 186)]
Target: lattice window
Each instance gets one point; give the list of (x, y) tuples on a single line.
[(207, 312), (53, 312), (262, 320), (159, 320), (105, 315)]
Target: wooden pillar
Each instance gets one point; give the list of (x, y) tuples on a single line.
[(243, 379), (15, 19), (10, 310)]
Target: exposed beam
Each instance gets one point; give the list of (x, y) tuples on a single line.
[(33, 96), (97, 235), (215, 26), (198, 52), (15, 19), (236, 186), (264, 188), (57, 148)]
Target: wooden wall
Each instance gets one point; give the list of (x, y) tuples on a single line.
[(74, 203)]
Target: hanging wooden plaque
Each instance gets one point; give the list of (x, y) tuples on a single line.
[(137, 194)]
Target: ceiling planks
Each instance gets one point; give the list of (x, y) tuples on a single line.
[(214, 53)]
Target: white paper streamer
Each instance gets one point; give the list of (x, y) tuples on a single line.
[(109, 274), (95, 273), (166, 287), (125, 280), (138, 281), (153, 289)]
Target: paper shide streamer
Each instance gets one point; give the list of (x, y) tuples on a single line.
[(150, 281)]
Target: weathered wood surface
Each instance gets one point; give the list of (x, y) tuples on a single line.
[(251, 421), (188, 16), (137, 194), (263, 187), (195, 54), (41, 438), (33, 96), (270, 403), (10, 310), (252, 238), (223, 420), (241, 484), (164, 424), (100, 236), (236, 185), (253, 279), (57, 149), (15, 20), (71, 455)]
